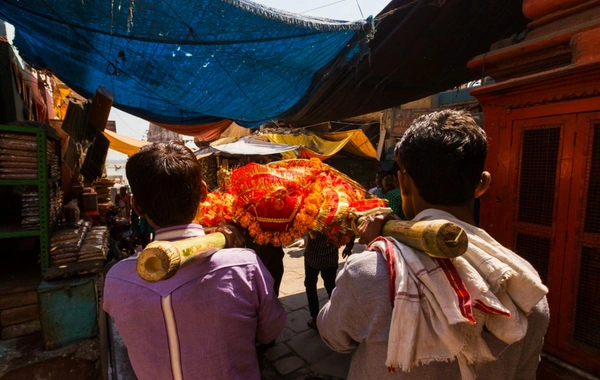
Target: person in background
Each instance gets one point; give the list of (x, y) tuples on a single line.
[(320, 256), (206, 319), (406, 315), (378, 189), (392, 193), (142, 229), (272, 257), (123, 201)]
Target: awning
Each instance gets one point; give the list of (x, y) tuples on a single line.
[(184, 62), (204, 132), (420, 48), (355, 142), (123, 144), (246, 146), (189, 63)]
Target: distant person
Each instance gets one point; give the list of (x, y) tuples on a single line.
[(391, 190), (378, 189), (272, 257), (206, 319), (123, 201), (320, 256), (406, 315), (142, 228)]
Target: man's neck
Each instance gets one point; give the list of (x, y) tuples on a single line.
[(464, 212)]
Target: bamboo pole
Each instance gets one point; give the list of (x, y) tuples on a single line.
[(162, 259), (438, 238)]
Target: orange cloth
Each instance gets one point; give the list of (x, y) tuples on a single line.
[(204, 132)]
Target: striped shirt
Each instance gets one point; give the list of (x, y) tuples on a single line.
[(321, 253)]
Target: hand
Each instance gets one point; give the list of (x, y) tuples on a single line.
[(233, 235), (371, 226)]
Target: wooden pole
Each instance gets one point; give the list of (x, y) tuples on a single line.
[(438, 238), (160, 260)]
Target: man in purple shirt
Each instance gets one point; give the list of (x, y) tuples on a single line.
[(203, 322)]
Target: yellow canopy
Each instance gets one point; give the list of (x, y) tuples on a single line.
[(124, 144), (354, 141)]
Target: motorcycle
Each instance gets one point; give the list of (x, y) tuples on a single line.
[(122, 243)]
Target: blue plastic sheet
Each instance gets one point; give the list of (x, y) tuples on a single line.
[(181, 61)]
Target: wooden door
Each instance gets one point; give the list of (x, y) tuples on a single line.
[(555, 172)]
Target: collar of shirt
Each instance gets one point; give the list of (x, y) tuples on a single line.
[(181, 232)]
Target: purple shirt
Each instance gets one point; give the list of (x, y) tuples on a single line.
[(201, 323)]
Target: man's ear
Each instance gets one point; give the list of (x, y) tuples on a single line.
[(204, 192), (137, 208), (484, 184), (404, 182)]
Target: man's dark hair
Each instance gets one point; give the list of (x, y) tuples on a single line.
[(166, 181), (444, 153)]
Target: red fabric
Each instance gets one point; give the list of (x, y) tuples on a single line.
[(390, 258), (203, 132), (464, 298)]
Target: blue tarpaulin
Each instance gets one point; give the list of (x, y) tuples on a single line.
[(184, 62), (199, 61)]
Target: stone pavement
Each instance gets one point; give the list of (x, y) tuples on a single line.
[(299, 352)]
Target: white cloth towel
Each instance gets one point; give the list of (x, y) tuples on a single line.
[(441, 305)]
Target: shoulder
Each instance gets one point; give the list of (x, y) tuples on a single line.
[(366, 264), (234, 257), (123, 269)]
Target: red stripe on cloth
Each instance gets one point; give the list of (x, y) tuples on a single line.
[(488, 309), (464, 298), (390, 258)]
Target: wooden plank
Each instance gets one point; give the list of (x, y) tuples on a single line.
[(100, 108), (13, 300), (19, 314), (20, 329)]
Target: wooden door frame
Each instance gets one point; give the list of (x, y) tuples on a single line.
[(561, 190), (581, 356)]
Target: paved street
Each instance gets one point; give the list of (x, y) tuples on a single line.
[(299, 352)]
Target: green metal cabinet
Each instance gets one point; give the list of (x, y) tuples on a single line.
[(42, 182), (68, 310)]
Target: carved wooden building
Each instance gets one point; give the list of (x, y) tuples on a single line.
[(542, 117)]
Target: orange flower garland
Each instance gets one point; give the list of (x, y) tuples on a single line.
[(304, 221), (280, 202), (217, 209)]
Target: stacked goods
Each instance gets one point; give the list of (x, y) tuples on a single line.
[(79, 243), (89, 199), (55, 196), (65, 243), (102, 187), (95, 245), (52, 159), (209, 170), (30, 210), (19, 312), (18, 156)]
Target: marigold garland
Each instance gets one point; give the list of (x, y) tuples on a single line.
[(327, 199), (304, 221), (217, 209)]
